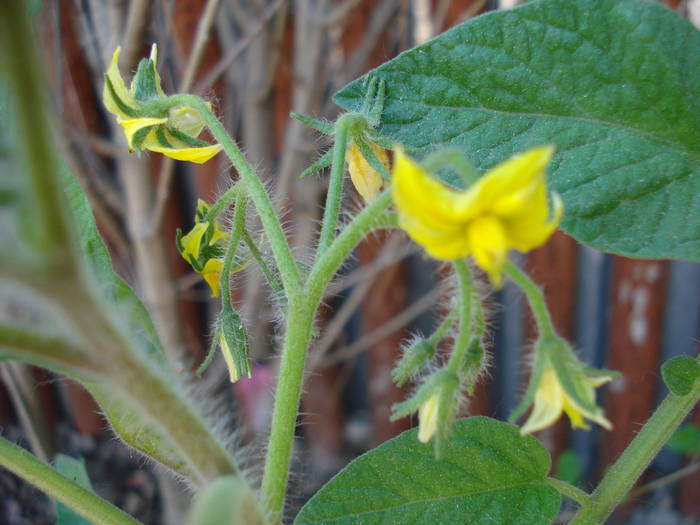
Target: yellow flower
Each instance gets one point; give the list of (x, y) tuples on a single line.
[(505, 208), (367, 180), (551, 399), (233, 373), (428, 418), (203, 247), (173, 134)]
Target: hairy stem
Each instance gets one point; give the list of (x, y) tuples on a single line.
[(256, 191), (56, 485), (299, 323), (335, 185), (623, 474), (535, 299)]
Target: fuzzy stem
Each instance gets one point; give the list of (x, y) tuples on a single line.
[(371, 217), (335, 184), (284, 415), (535, 299), (623, 474), (466, 287), (288, 268), (299, 324), (568, 490), (84, 502)]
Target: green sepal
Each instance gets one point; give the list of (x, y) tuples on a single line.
[(322, 127), (415, 357), (123, 106), (572, 376), (139, 137), (144, 85), (438, 380), (371, 157), (323, 162), (233, 331), (187, 139), (448, 402), (178, 240), (680, 374), (161, 138)]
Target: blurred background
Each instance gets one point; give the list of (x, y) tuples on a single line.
[(257, 60)]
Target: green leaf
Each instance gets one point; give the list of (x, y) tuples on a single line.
[(685, 440), (121, 297), (680, 374), (489, 474), (614, 84), (73, 469)]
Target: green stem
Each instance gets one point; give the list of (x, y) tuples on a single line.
[(223, 202), (234, 240), (535, 299), (284, 415), (325, 266), (299, 329), (288, 268), (444, 327), (56, 485), (568, 490), (623, 474), (466, 288), (264, 267), (335, 184)]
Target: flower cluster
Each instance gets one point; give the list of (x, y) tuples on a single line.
[(204, 246), (149, 126), (505, 208)]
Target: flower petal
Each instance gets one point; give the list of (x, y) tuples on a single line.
[(133, 125), (505, 188), (424, 198), (192, 242), (488, 243), (549, 403), (212, 275), (532, 227), (367, 180), (197, 155)]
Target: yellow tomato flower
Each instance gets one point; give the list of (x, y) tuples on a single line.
[(505, 208), (428, 418), (367, 180), (203, 247), (551, 400), (173, 134)]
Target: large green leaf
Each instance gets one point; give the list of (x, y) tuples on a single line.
[(489, 474), (614, 84)]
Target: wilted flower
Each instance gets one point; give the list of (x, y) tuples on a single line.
[(203, 247), (551, 399), (505, 208), (366, 179), (172, 132)]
